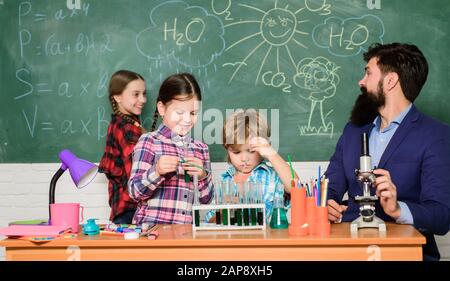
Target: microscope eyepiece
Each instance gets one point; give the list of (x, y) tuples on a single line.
[(365, 161), (364, 145)]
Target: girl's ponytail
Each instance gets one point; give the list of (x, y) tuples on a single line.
[(155, 119)]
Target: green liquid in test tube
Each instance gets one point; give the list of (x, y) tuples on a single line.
[(239, 217), (253, 215), (196, 202), (218, 217), (225, 216), (218, 199), (259, 200), (187, 178), (197, 217)]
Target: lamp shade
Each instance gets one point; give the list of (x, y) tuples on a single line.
[(81, 171)]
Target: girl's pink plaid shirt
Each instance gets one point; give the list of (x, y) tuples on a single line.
[(168, 198)]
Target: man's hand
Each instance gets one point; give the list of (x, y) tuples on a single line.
[(335, 210), (387, 192)]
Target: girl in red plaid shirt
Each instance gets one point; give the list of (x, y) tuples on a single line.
[(160, 158), (127, 95)]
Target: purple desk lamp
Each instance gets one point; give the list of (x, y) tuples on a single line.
[(81, 171)]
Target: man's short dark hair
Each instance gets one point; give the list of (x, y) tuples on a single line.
[(404, 59)]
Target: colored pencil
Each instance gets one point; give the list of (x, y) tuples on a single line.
[(290, 165), (318, 187)]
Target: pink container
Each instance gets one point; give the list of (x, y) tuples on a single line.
[(323, 226), (311, 217), (66, 214), (298, 212)]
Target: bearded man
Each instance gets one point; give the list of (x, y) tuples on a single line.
[(411, 151)]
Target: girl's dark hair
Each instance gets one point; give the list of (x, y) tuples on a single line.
[(181, 86), (404, 59), (118, 83)]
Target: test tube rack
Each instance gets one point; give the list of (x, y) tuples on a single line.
[(228, 226)]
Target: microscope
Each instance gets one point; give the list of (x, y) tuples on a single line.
[(366, 202)]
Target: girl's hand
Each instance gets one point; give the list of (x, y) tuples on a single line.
[(167, 164), (262, 146), (194, 166)]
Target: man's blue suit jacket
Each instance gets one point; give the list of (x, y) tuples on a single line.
[(418, 160)]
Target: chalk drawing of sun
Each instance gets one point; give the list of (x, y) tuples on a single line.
[(279, 32)]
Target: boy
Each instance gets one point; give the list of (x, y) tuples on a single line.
[(245, 137)]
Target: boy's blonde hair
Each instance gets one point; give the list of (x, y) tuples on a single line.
[(242, 125)]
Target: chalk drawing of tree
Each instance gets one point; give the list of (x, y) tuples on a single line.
[(317, 79)]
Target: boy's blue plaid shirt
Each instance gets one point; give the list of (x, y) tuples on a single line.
[(264, 174)]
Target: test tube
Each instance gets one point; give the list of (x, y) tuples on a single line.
[(259, 200), (240, 200), (252, 200), (246, 201), (233, 200), (226, 200), (187, 178), (196, 201), (218, 200)]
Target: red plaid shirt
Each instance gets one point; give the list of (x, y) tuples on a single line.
[(116, 163)]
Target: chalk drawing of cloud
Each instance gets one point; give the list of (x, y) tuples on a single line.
[(188, 34), (348, 37)]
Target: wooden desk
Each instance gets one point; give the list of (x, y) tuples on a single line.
[(177, 242)]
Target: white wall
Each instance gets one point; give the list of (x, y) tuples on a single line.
[(24, 190)]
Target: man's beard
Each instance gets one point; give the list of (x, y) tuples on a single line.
[(367, 105)]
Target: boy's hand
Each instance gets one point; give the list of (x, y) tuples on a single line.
[(167, 164), (194, 166), (262, 146)]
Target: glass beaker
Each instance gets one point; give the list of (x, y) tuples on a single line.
[(278, 219)]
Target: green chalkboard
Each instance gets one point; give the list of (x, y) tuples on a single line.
[(298, 61)]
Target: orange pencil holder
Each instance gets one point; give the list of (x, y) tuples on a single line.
[(298, 226), (323, 226), (311, 208)]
